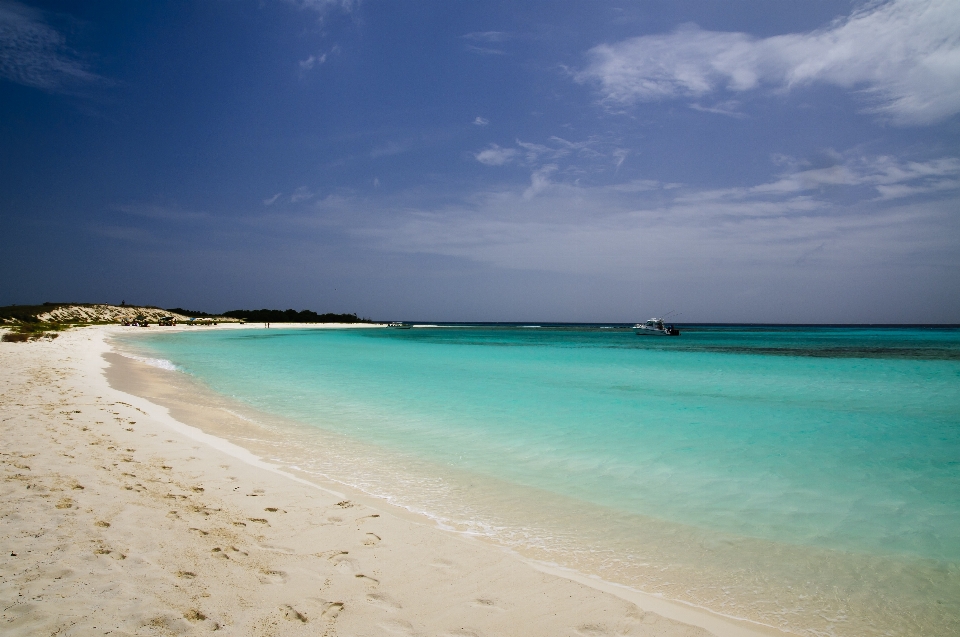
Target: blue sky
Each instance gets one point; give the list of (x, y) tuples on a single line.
[(733, 161)]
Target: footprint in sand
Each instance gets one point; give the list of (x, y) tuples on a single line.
[(344, 564), (272, 577), (331, 609), (370, 539), (398, 627), (592, 630), (291, 613), (383, 601), (484, 602), (276, 548)]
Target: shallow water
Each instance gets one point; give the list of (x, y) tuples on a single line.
[(807, 478)]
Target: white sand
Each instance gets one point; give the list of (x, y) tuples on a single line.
[(117, 519)]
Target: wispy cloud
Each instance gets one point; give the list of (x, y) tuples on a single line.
[(164, 213), (322, 7), (481, 121), (35, 54), (496, 156), (902, 56), (312, 61), (620, 155), (269, 201), (593, 154), (540, 181), (484, 42), (316, 60), (883, 177), (388, 149), (727, 107), (301, 194), (861, 210), (487, 36)]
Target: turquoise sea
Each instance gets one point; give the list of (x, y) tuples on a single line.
[(803, 477)]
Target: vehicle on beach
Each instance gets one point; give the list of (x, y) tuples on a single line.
[(139, 321), (655, 327)]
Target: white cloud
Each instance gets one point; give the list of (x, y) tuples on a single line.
[(539, 181), (848, 208), (323, 6), (903, 56), (312, 61), (35, 54), (389, 149), (481, 121), (592, 155), (495, 156), (269, 201), (807, 250), (481, 41), (301, 194), (487, 36), (601, 230), (620, 155), (726, 107), (164, 213), (883, 175)]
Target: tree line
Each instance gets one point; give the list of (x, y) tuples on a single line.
[(292, 316)]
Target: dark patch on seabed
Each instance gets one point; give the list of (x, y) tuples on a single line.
[(912, 353)]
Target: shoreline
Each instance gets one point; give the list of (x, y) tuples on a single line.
[(634, 612)]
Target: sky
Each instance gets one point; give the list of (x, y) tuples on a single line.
[(739, 161)]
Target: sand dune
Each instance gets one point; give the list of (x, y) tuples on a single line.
[(102, 313)]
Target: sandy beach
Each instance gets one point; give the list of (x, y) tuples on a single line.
[(122, 515)]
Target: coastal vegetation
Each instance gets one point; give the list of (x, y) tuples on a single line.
[(23, 332), (292, 316), (25, 324), (192, 313), (30, 322)]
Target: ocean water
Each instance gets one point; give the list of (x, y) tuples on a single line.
[(802, 477)]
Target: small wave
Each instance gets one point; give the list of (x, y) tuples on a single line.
[(240, 416), (162, 363)]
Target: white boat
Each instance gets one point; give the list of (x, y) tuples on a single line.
[(655, 327)]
